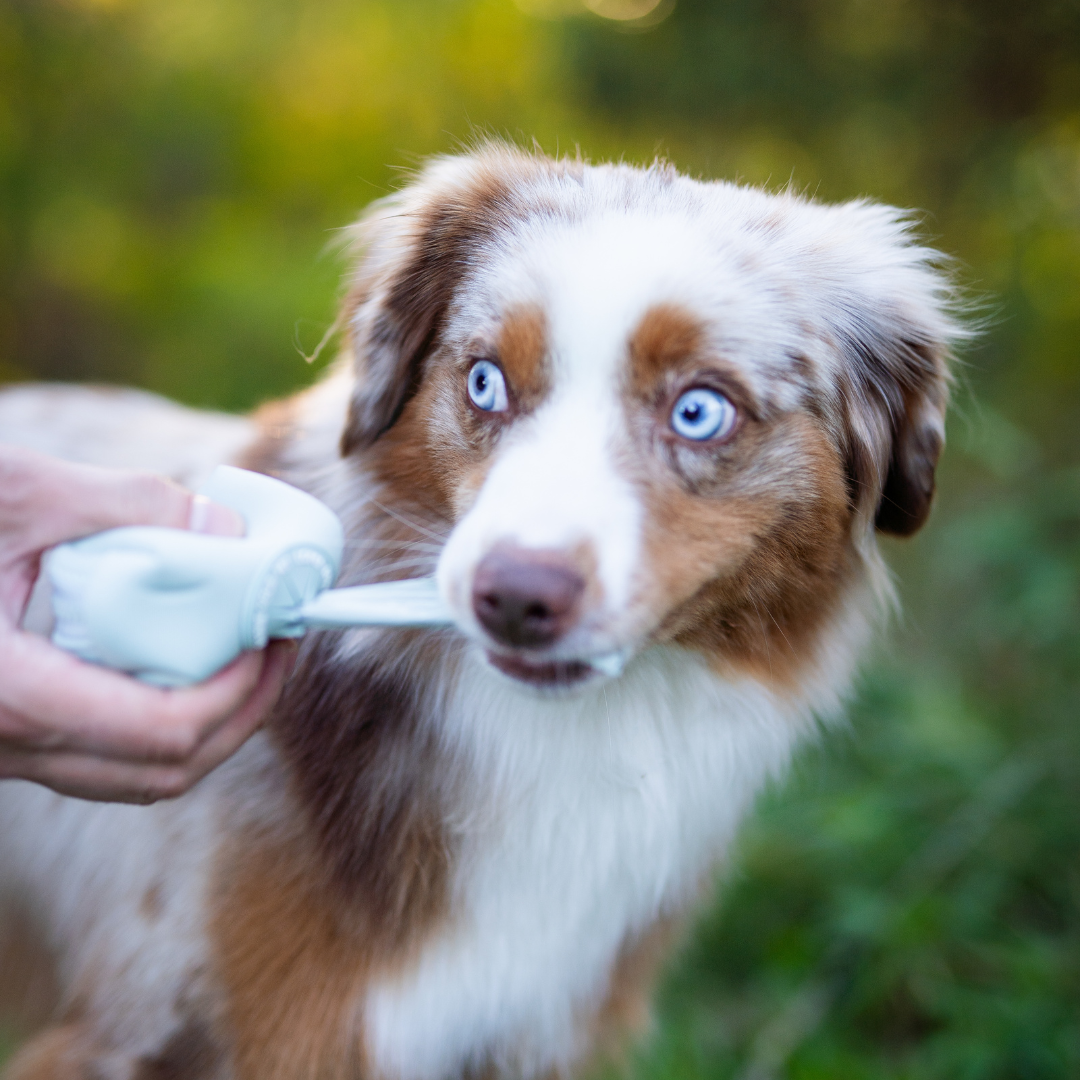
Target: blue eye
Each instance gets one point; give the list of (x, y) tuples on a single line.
[(701, 414), (487, 387)]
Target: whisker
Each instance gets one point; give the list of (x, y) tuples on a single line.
[(764, 635), (405, 560), (391, 545), (794, 651), (411, 524), (409, 564)]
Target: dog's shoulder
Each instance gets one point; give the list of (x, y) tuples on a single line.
[(121, 428)]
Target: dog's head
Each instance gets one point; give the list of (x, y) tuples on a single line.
[(648, 408)]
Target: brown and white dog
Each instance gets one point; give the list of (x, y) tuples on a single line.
[(645, 430)]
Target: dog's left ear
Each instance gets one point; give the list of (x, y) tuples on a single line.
[(414, 250), (889, 315), (918, 435)]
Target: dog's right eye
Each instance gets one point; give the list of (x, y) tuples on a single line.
[(487, 387)]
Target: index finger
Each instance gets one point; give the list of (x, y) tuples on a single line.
[(46, 501), (51, 700)]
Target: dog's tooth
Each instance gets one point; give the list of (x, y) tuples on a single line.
[(610, 664)]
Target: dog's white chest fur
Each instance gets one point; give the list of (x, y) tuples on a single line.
[(602, 813)]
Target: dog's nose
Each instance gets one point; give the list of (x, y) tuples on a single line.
[(527, 598)]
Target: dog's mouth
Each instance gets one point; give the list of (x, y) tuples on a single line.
[(555, 674)]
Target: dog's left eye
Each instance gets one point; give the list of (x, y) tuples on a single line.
[(487, 387), (701, 414)]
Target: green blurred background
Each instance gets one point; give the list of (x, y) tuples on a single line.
[(173, 175)]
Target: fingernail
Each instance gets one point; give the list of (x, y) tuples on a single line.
[(214, 519)]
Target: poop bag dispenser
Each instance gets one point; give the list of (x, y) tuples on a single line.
[(172, 607)]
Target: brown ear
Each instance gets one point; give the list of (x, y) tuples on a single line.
[(896, 401), (887, 310), (394, 311), (416, 248), (908, 491)]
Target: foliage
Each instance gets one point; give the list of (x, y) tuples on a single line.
[(171, 179)]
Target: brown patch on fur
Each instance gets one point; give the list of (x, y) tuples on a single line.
[(291, 964), (522, 350), (667, 339), (748, 537), (419, 461), (668, 353), (759, 558)]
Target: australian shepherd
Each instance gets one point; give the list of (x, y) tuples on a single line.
[(645, 430)]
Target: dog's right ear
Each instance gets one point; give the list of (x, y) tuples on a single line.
[(890, 311), (415, 248)]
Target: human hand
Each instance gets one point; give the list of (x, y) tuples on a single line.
[(83, 730)]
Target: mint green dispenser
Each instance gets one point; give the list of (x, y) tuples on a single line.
[(172, 607)]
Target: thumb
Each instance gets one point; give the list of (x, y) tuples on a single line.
[(137, 498), (61, 501)]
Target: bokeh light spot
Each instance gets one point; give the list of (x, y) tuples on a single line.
[(643, 12), (624, 10)]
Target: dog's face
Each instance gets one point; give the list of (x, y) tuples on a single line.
[(649, 409)]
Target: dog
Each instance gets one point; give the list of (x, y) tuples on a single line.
[(645, 430)]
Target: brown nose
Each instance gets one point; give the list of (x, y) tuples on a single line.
[(526, 598)]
